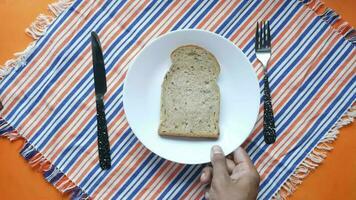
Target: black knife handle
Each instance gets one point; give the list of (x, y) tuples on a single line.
[(269, 128), (103, 138)]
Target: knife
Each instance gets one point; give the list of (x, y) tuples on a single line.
[(100, 90)]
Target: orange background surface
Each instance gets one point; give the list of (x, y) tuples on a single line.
[(335, 178)]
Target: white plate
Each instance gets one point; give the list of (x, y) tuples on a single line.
[(238, 87)]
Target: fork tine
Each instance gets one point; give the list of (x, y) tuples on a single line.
[(261, 35), (268, 35), (265, 35), (256, 38)]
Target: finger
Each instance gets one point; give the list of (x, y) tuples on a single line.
[(241, 156), (230, 165), (219, 163), (206, 175)]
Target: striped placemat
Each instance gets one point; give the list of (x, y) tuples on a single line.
[(49, 99)]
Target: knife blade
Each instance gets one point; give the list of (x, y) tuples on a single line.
[(100, 90)]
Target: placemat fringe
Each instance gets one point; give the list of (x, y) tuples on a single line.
[(332, 18), (319, 153), (37, 29), (316, 157), (36, 160)]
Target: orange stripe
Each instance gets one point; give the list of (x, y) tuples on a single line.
[(151, 29), (251, 32), (123, 164), (167, 181), (137, 44), (211, 12), (126, 175), (169, 26), (129, 53), (117, 83), (63, 94), (300, 82), (93, 146), (201, 194), (162, 171), (40, 68), (82, 107), (216, 24), (309, 122), (187, 192), (291, 74)]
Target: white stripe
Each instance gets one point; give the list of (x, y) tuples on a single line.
[(231, 23), (63, 85), (300, 98), (136, 49), (217, 15), (86, 85), (179, 181), (138, 179), (249, 29), (159, 182), (114, 51), (115, 157), (291, 58), (278, 21), (90, 154), (192, 17), (109, 187), (183, 182), (327, 119), (36, 92), (57, 41), (308, 115), (288, 36)]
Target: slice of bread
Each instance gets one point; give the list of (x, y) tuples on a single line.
[(190, 98)]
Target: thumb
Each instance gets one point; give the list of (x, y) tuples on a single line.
[(218, 161)]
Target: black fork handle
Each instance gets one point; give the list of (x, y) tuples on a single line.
[(269, 128)]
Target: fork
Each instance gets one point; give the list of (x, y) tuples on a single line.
[(263, 54)]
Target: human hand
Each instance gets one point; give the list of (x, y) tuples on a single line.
[(230, 179)]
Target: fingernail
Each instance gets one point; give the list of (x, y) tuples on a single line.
[(217, 149)]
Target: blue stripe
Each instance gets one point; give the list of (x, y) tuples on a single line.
[(212, 4), (242, 19), (73, 94), (89, 131), (138, 18), (118, 56), (320, 118), (152, 157), (297, 59), (189, 181), (52, 72), (304, 141), (174, 181), (5, 83), (7, 129), (184, 18), (312, 79), (104, 173), (148, 175), (290, 67), (233, 15), (275, 31)]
